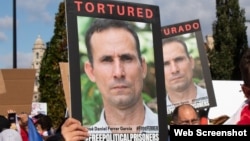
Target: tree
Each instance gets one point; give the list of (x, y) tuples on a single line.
[(230, 40), (51, 89)]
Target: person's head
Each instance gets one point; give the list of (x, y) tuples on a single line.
[(4, 123), (245, 72), (115, 62), (178, 65), (10, 135), (43, 124), (185, 114)]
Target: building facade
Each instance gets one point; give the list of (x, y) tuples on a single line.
[(38, 51)]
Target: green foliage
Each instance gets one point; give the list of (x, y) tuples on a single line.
[(91, 101), (51, 89), (230, 41)]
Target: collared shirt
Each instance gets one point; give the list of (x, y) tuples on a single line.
[(201, 97), (151, 120)]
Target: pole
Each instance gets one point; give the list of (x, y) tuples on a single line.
[(14, 35)]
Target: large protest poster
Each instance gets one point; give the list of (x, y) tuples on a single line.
[(188, 33), (87, 102)]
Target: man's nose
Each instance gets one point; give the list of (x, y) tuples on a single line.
[(118, 69), (174, 67)]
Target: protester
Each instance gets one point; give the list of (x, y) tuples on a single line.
[(4, 123), (185, 114), (242, 115), (10, 135), (36, 128), (57, 136), (43, 125), (23, 123)]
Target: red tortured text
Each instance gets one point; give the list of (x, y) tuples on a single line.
[(184, 28), (114, 9)]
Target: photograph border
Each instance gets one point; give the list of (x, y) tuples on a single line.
[(76, 8), (193, 26)]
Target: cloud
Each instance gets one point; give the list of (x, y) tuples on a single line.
[(3, 37), (24, 60), (6, 61), (37, 10), (6, 22), (175, 11)]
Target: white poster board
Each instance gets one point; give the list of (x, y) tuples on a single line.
[(38, 107), (229, 98)]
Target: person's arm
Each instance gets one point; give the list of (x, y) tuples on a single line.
[(72, 130)]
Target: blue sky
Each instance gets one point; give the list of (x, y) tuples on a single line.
[(36, 17), (33, 17)]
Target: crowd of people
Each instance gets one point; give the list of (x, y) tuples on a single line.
[(23, 127)]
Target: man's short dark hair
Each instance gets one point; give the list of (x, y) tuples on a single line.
[(102, 24), (174, 39), (4, 123), (44, 120)]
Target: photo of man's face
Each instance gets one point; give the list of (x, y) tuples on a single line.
[(114, 73), (184, 79), (115, 67)]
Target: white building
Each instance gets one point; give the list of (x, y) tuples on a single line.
[(38, 52)]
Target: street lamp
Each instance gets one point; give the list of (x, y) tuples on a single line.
[(14, 35)]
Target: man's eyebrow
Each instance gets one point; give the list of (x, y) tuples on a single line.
[(105, 57), (127, 55), (176, 58), (179, 57), (166, 62)]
